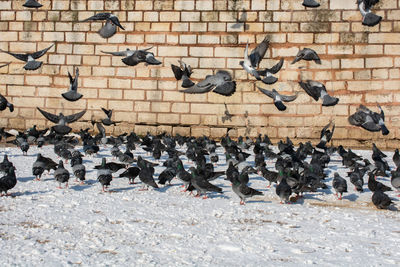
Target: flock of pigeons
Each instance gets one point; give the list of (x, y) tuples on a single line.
[(293, 172)]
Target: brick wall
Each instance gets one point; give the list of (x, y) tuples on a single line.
[(359, 65)]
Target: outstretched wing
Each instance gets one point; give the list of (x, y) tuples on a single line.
[(312, 91), (98, 16), (177, 72), (108, 112), (22, 57), (101, 128), (266, 92), (49, 116), (40, 53), (288, 98), (119, 53), (74, 117), (203, 86), (258, 53)]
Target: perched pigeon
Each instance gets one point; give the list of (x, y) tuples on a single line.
[(183, 72), (356, 178), (134, 57), (104, 175), (146, 177), (32, 4), (29, 58), (5, 104), (381, 200), (5, 164), (395, 180), (201, 185), (278, 98), (220, 83), (369, 120), (110, 28), (326, 135), (340, 185), (374, 185), (251, 63), (72, 94), (283, 190), (317, 90), (62, 121), (131, 173), (396, 158), (61, 174), (307, 54), (8, 181), (79, 171), (369, 18), (243, 191), (310, 3)]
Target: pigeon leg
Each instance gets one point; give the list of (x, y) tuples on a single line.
[(59, 186), (205, 197), (82, 183), (197, 195), (241, 202), (66, 185), (103, 190)]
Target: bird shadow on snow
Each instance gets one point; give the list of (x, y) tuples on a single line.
[(25, 179), (27, 193), (80, 187), (351, 197)]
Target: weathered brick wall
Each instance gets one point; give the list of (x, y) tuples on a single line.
[(359, 65)]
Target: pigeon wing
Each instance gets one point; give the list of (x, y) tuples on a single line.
[(203, 86), (98, 16), (177, 72), (258, 53), (266, 92), (289, 98), (310, 90), (40, 53), (101, 128), (22, 57), (51, 117), (74, 117), (119, 53), (228, 88)]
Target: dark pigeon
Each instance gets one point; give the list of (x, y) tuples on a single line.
[(278, 98), (307, 54), (72, 94), (8, 181), (318, 91), (29, 58), (369, 120), (110, 28), (220, 83), (61, 120), (61, 175), (340, 185), (183, 72)]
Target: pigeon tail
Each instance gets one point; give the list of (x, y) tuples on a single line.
[(62, 129), (72, 96), (385, 130), (330, 101), (108, 30), (33, 65), (32, 4), (279, 105), (371, 20), (269, 80), (10, 106), (186, 83), (310, 3)]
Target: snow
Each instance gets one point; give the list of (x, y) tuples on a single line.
[(46, 226)]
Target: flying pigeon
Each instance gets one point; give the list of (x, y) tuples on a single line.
[(326, 135), (134, 57), (107, 121), (62, 120), (5, 104), (278, 98), (29, 58), (317, 90), (183, 72), (220, 83), (251, 63), (310, 3), (32, 4), (72, 94), (369, 120), (307, 54), (369, 18), (110, 28)]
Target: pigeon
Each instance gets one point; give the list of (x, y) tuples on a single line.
[(201, 185), (251, 63), (134, 57), (381, 200), (395, 180), (5, 104), (278, 98), (62, 121), (356, 178), (104, 175), (146, 177), (131, 173), (270, 176), (72, 94), (183, 175), (38, 167), (107, 121), (307, 54), (79, 171), (5, 164), (374, 185), (243, 191), (166, 176), (369, 18), (326, 135), (396, 158), (4, 134), (110, 28), (29, 58), (283, 190), (369, 120), (61, 174), (311, 3), (220, 83), (183, 73), (317, 90), (340, 185), (8, 181), (32, 4)]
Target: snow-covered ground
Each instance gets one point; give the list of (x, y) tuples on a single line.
[(41, 225)]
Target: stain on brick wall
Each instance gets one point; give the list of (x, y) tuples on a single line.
[(359, 65)]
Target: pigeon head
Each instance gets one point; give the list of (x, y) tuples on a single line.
[(114, 19)]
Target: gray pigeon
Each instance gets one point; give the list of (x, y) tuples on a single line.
[(283, 190), (243, 191), (72, 94), (369, 120), (310, 3), (369, 18), (79, 171), (104, 175), (61, 174), (146, 177), (201, 185), (134, 57), (110, 28), (307, 54), (395, 180), (340, 185), (29, 58), (107, 121), (318, 91), (38, 167), (183, 72), (278, 98), (62, 121), (5, 104), (32, 4), (220, 83), (381, 200)]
